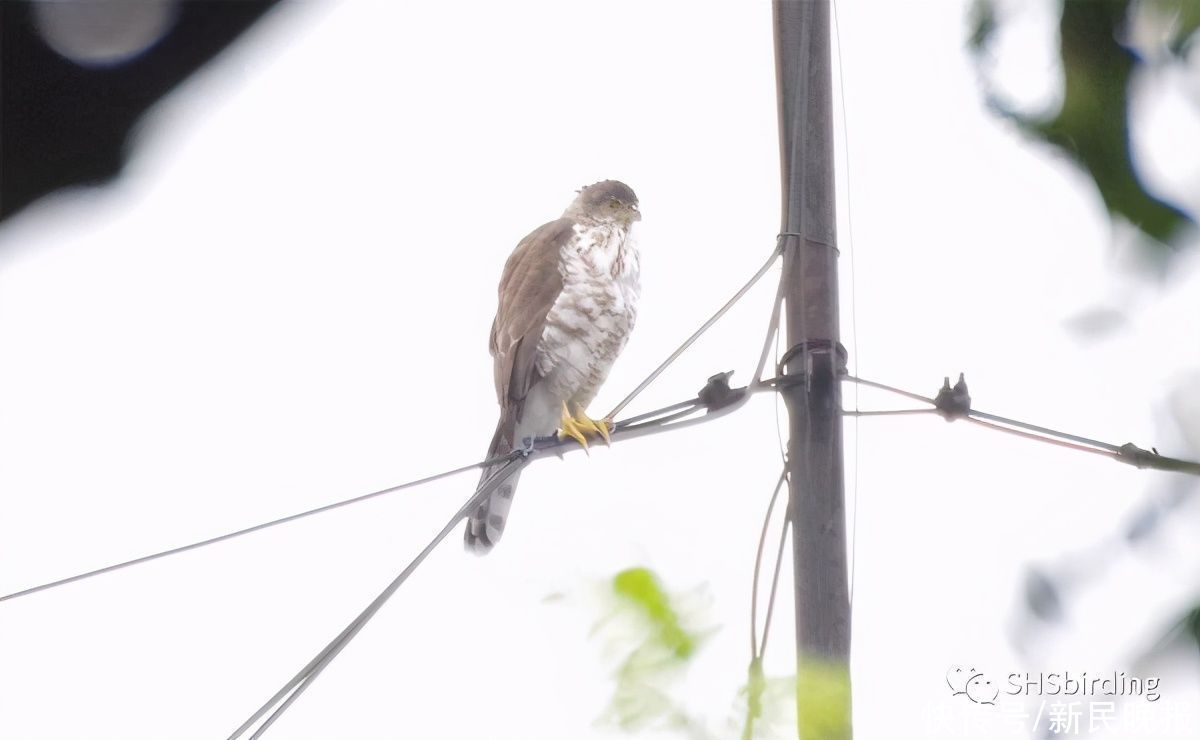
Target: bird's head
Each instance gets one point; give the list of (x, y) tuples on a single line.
[(606, 201)]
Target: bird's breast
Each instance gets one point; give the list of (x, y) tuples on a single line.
[(591, 320)]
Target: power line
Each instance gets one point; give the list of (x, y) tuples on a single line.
[(716, 399), (837, 33), (1042, 438), (696, 335), (636, 426), (1128, 453), (783, 535), (669, 416), (758, 556), (255, 528), (301, 681)]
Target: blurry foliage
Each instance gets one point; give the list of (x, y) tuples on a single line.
[(1092, 125), (770, 709), (652, 632), (823, 697), (641, 588), (1185, 21), (1191, 623), (644, 624)]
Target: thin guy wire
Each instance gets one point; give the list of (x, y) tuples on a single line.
[(317, 664), (690, 340), (778, 403), (630, 433), (783, 458), (762, 541), (1044, 430), (1042, 438), (659, 419), (783, 534), (837, 30), (993, 417), (632, 420), (255, 528), (892, 389), (309, 673), (1128, 453), (313, 669), (772, 333)]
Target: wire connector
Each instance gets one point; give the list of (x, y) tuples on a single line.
[(953, 402), (716, 393), (1131, 454)]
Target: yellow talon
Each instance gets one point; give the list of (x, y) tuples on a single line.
[(572, 428), (600, 427), (578, 425)]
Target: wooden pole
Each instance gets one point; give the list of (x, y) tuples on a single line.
[(814, 364)]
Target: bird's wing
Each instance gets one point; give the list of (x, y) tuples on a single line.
[(530, 284)]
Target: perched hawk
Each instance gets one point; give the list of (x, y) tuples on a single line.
[(568, 300)]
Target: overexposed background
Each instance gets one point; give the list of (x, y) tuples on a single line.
[(286, 302)]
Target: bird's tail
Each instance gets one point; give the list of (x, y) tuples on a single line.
[(486, 523)]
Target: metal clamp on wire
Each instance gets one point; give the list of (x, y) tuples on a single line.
[(1131, 454), (716, 393), (953, 402), (832, 352)]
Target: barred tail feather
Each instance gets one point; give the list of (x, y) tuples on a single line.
[(486, 523)]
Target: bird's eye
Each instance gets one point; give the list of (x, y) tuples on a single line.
[(613, 204)]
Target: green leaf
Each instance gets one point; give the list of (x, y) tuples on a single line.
[(641, 587), (647, 630)]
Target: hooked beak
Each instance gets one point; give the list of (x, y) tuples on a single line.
[(636, 215)]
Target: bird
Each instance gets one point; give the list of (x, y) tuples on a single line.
[(567, 303)]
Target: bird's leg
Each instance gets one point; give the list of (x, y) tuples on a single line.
[(570, 428), (601, 427), (526, 448)]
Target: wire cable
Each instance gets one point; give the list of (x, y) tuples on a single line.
[(783, 535), (992, 417), (255, 528), (304, 678), (977, 415), (762, 541), (669, 417), (1042, 438), (636, 426), (687, 406), (889, 388), (895, 412), (837, 32), (1127, 453), (697, 334)]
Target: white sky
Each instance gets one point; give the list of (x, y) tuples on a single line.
[(287, 303)]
